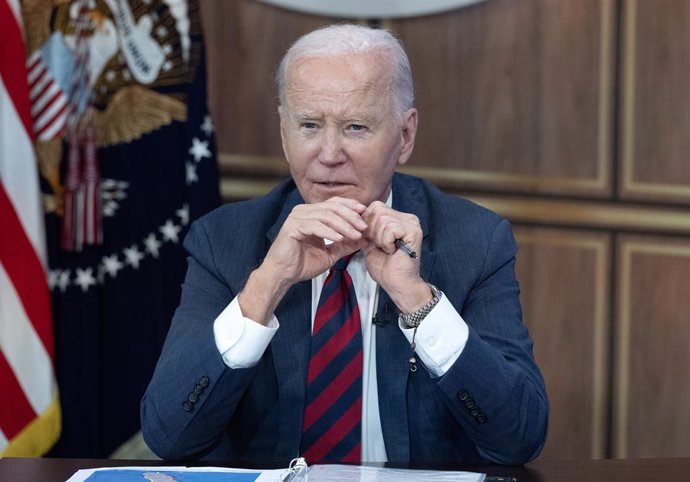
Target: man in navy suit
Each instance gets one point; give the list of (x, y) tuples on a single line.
[(448, 373)]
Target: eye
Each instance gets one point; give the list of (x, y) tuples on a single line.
[(308, 125), (357, 127)]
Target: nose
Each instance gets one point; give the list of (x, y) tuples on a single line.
[(331, 147)]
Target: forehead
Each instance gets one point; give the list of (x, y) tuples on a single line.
[(341, 78)]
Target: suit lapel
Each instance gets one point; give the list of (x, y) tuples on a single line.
[(290, 349), (393, 351)]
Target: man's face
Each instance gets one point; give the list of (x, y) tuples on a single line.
[(341, 134)]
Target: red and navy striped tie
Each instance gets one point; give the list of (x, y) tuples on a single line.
[(332, 428)]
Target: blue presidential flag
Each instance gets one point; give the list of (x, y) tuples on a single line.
[(128, 160)]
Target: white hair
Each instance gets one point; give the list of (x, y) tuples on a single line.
[(335, 40)]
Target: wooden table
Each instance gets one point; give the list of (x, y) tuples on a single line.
[(643, 470)]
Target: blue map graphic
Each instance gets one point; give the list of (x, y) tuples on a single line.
[(129, 475)]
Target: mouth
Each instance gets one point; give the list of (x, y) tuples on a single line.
[(332, 184)]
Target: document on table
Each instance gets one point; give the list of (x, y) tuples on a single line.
[(315, 473), (348, 473)]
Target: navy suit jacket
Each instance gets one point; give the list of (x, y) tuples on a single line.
[(490, 405)]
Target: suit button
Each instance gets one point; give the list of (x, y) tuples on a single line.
[(203, 381), (474, 412), (187, 405), (198, 389), (192, 397), (481, 418), (469, 404), (463, 395)]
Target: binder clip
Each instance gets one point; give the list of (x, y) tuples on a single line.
[(296, 471)]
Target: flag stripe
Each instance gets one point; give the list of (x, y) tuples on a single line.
[(25, 271), (55, 126), (32, 64), (16, 412), (13, 63), (39, 89), (56, 106), (41, 103), (22, 348)]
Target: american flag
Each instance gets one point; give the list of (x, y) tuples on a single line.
[(49, 103), (30, 411)]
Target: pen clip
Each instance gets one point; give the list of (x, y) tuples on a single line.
[(296, 471)]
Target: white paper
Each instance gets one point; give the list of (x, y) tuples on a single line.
[(353, 473)]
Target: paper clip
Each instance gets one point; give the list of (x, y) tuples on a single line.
[(297, 471)]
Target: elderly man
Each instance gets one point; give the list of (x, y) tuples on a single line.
[(352, 314)]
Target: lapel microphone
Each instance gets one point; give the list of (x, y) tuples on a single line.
[(385, 318)]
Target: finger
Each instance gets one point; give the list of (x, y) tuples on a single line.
[(338, 217), (346, 247), (387, 226)]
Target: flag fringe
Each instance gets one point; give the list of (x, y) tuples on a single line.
[(39, 436)]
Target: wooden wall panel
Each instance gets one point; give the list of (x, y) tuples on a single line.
[(656, 113), (515, 95), (564, 278), (652, 335), (245, 41)]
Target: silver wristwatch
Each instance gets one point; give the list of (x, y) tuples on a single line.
[(415, 318)]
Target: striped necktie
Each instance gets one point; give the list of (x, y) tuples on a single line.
[(332, 427)]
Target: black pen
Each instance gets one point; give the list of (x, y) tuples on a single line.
[(405, 248)]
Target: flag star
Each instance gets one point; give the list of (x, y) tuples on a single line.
[(207, 126), (53, 275), (192, 177), (167, 65), (183, 214), (161, 31), (167, 49), (109, 209), (170, 231), (133, 256), (152, 245), (199, 149), (111, 265), (110, 75), (63, 280), (85, 278)]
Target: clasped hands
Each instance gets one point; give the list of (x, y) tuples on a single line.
[(299, 252)]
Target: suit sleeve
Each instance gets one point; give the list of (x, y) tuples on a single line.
[(495, 389), (193, 394)]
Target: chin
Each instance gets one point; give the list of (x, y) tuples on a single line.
[(320, 193)]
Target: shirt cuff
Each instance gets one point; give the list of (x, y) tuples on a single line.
[(440, 337), (241, 341)]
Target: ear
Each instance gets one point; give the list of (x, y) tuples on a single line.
[(408, 135)]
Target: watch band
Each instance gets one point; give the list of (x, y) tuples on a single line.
[(415, 318)]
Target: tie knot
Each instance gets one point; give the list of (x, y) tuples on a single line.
[(341, 264)]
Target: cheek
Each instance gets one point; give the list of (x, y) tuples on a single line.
[(296, 149)]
